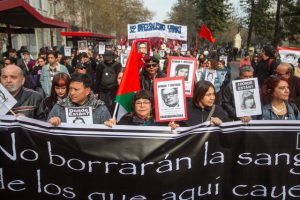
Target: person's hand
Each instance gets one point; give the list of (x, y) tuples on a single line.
[(245, 119), (55, 121), (173, 125), (20, 115), (110, 122), (215, 121)]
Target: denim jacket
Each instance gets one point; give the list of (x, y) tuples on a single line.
[(292, 112), (45, 77)]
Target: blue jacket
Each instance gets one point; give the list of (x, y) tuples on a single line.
[(292, 112)]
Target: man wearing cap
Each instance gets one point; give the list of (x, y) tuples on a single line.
[(246, 72), (106, 78), (297, 69), (53, 67)]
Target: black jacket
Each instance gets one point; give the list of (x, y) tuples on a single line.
[(28, 102), (228, 101), (197, 115), (294, 85), (264, 69), (146, 82), (132, 119)]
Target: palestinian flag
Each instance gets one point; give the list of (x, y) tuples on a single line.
[(130, 82)]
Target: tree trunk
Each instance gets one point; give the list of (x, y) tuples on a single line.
[(277, 24)]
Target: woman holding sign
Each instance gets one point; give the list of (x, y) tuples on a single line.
[(142, 115), (275, 92), (203, 108)]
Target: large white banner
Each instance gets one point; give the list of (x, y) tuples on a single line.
[(155, 29), (289, 55)]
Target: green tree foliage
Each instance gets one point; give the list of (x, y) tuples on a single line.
[(215, 14), (184, 13), (193, 13), (290, 14)]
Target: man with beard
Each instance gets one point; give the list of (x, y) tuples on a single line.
[(285, 71), (12, 78)]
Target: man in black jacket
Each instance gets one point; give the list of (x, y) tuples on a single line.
[(28, 101), (228, 104), (106, 79), (266, 66)]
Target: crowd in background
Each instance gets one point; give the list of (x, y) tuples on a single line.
[(44, 86)]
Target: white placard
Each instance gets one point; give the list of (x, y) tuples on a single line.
[(289, 55), (82, 46), (246, 97), (155, 29), (170, 99), (199, 73), (7, 101), (184, 47), (124, 57), (101, 48), (162, 63), (68, 51), (185, 67), (210, 75), (79, 115), (225, 58)]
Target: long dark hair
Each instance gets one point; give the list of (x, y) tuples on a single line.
[(200, 89), (56, 82)]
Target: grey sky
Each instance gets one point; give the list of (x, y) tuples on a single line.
[(161, 7)]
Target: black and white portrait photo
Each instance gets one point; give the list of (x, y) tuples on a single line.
[(78, 120), (169, 99), (170, 96), (246, 97), (82, 46), (182, 70), (210, 76), (183, 67), (248, 100), (68, 51)]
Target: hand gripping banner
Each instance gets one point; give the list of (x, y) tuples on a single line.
[(260, 160)]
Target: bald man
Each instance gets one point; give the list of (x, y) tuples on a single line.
[(28, 101), (286, 71)]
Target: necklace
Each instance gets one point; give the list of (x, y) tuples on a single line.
[(278, 110), (281, 117)]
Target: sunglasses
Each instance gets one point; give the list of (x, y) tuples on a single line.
[(151, 65)]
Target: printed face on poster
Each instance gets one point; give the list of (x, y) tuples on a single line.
[(101, 48), (199, 73), (210, 75), (170, 99), (184, 47), (246, 97), (82, 46), (79, 115), (124, 57), (68, 51), (183, 67), (7, 101), (162, 63), (223, 58)]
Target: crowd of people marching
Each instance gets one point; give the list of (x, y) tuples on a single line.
[(45, 86)]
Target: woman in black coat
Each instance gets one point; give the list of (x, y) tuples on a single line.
[(203, 105)]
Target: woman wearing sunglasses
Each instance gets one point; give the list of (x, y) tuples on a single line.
[(150, 71)]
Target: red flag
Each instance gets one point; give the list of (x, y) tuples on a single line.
[(130, 82), (206, 33)]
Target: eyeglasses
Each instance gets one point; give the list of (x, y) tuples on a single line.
[(81, 68), (139, 103), (286, 73), (151, 65)]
